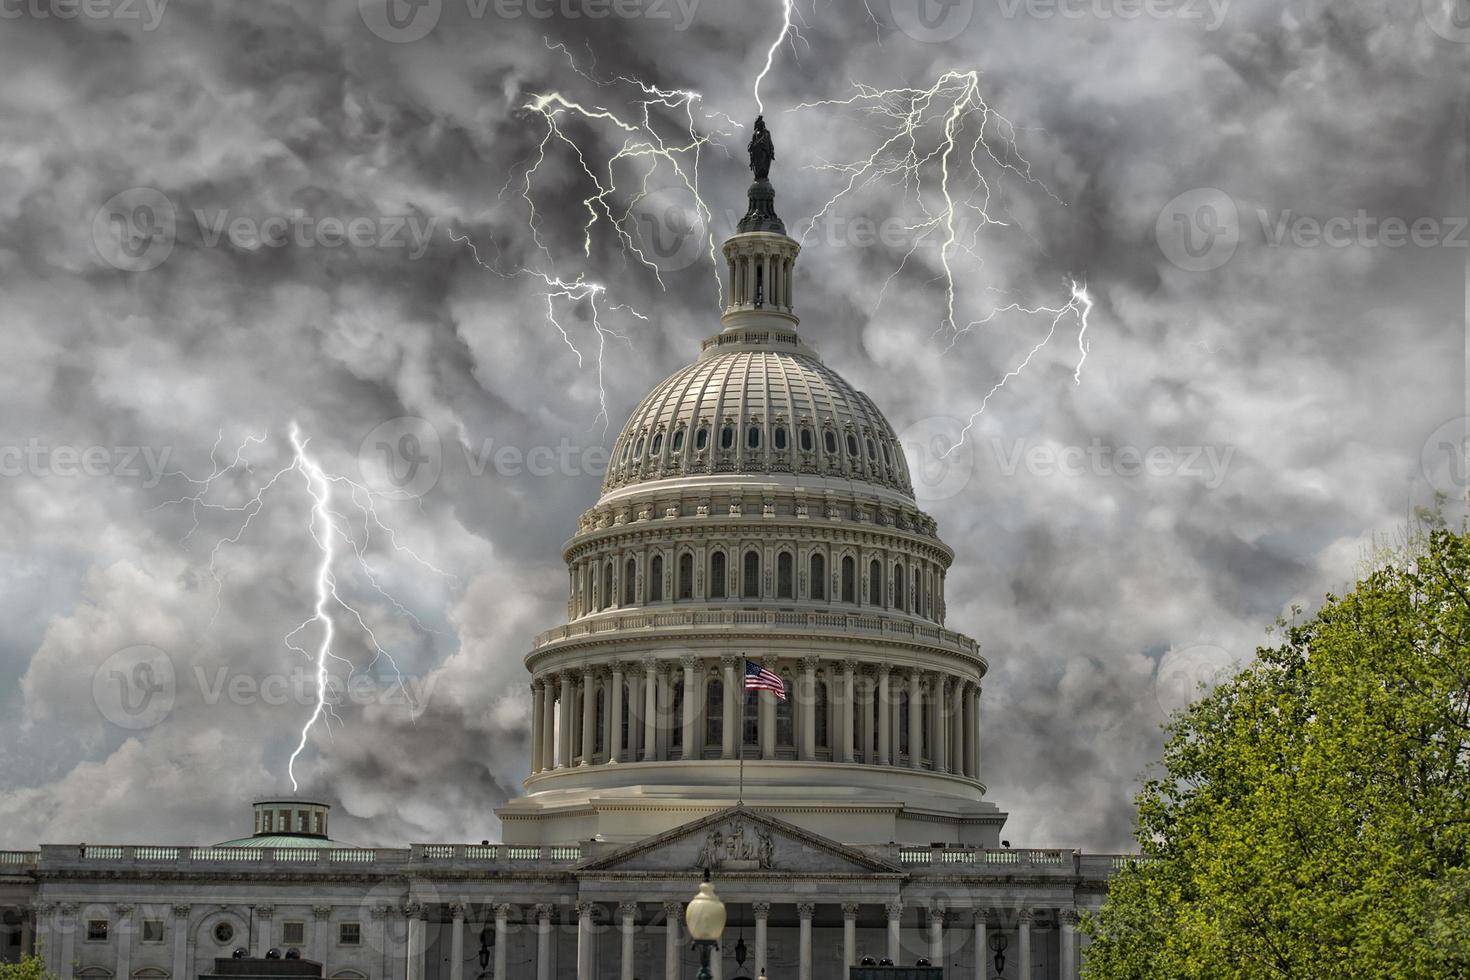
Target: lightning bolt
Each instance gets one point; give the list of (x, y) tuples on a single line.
[(788, 30), (342, 511)]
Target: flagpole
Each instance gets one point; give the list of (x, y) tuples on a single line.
[(740, 737)]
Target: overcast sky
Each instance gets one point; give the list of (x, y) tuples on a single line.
[(1265, 199)]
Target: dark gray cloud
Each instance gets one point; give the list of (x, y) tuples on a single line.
[(1289, 390)]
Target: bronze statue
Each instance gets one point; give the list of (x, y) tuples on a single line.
[(762, 150)]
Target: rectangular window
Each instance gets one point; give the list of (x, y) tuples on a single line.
[(293, 933), (96, 930), (152, 930), (349, 934)]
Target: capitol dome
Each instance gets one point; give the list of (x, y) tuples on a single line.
[(757, 523)]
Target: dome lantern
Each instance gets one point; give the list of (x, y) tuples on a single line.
[(760, 256)]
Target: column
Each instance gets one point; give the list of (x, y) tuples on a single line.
[(849, 936), (124, 916), (650, 710), (730, 732), (895, 914), (767, 703), (957, 727), (691, 708), (671, 940), (27, 933), (885, 726), (762, 912), (502, 938), (536, 688), (972, 756), (1068, 919), (548, 724), (804, 913), (380, 913), (543, 942), (808, 705), (665, 710), (849, 708), (67, 925), (456, 941), (262, 916), (415, 913), (568, 704), (627, 914), (321, 935), (181, 942), (635, 712), (865, 752), (916, 721), (1023, 943), (584, 941), (941, 728), (589, 714), (982, 947), (614, 740), (936, 935)]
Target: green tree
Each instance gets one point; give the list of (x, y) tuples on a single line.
[(29, 968), (1314, 813)]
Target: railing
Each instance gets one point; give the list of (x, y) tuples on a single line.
[(19, 859), (900, 629)]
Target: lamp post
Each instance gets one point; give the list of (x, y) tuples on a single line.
[(705, 917)]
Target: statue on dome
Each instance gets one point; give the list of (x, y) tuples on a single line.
[(762, 150)]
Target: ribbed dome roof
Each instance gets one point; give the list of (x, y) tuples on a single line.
[(754, 408)]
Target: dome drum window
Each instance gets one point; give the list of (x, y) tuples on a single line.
[(753, 437), (701, 439)]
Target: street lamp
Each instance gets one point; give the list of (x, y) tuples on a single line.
[(705, 917)]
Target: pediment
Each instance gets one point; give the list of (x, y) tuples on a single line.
[(738, 840)]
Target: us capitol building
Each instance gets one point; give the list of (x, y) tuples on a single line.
[(758, 509)]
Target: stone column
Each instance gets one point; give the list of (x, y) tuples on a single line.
[(584, 941), (982, 944), (543, 941), (691, 708), (415, 913), (916, 721), (262, 921), (568, 705), (665, 711), (1023, 943), (124, 916), (384, 931), (627, 915), (650, 710), (730, 733), (321, 929), (27, 933), (548, 723), (67, 925), (635, 712), (671, 940), (762, 912), (895, 914), (502, 940), (456, 941), (767, 704), (849, 936), (804, 913), (1068, 920), (941, 727), (536, 707), (848, 702), (957, 727), (972, 754), (614, 739), (808, 705), (885, 710), (181, 941), (936, 935), (589, 714)]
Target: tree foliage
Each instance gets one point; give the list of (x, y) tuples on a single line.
[(28, 968), (1314, 813)]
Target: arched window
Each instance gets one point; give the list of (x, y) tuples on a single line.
[(785, 733), (780, 437), (751, 579), (676, 721), (656, 579), (686, 576), (872, 450), (623, 743), (627, 448), (717, 575), (714, 712), (819, 711), (630, 582), (785, 589), (607, 585), (819, 577), (658, 443), (752, 727), (852, 445), (898, 586), (806, 440), (918, 593), (701, 439), (727, 437), (903, 722), (601, 710), (849, 579), (829, 441), (753, 437), (676, 444), (638, 448), (875, 583)]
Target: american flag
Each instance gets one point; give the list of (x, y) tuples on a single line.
[(758, 678)]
